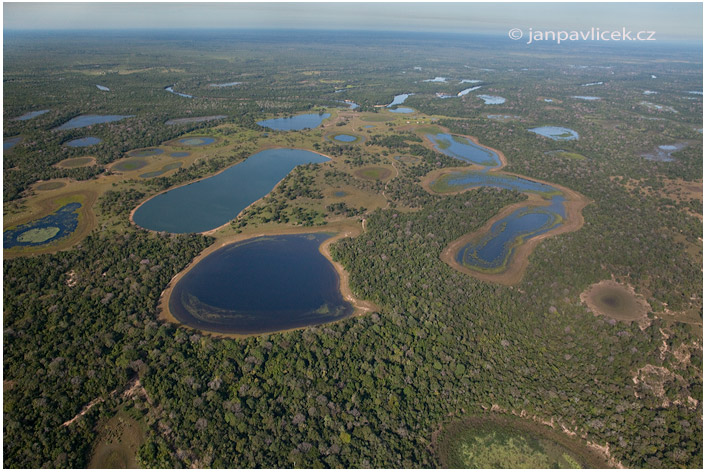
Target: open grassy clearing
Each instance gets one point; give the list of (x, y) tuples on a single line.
[(76, 162), (118, 441)]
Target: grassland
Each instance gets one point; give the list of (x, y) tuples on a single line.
[(119, 439)]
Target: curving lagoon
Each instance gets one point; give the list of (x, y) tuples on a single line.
[(84, 142), (492, 251), (261, 285), (212, 202), (87, 120)]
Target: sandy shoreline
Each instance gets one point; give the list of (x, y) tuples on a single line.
[(342, 230)]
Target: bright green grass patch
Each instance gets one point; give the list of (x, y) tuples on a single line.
[(567, 155), (38, 235), (506, 443)]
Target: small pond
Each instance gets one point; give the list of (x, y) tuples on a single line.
[(585, 97), (491, 99), (556, 133), (345, 138)]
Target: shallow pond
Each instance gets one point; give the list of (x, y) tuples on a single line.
[(585, 97), (30, 115), (491, 99), (469, 179), (88, 120), (464, 149), (147, 152), (166, 168), (493, 250), (402, 110), (295, 123), (103, 88), (664, 152), (84, 142), (345, 138), (261, 285), (57, 225), (557, 133), (212, 202), (177, 155), (196, 141)]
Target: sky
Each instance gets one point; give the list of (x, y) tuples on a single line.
[(668, 20)]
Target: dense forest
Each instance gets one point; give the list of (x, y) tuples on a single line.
[(81, 326)]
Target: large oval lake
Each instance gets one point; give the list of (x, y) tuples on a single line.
[(261, 285), (212, 202)]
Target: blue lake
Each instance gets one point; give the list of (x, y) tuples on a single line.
[(261, 285), (295, 123), (464, 149), (88, 120), (399, 99), (83, 142), (494, 249), (57, 225), (9, 143), (471, 179), (212, 202), (30, 115), (557, 133), (492, 99), (196, 141)]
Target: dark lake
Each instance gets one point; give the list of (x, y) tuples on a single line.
[(295, 123), (212, 202), (261, 285), (88, 120)]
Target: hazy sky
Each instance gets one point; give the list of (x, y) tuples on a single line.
[(668, 20)]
